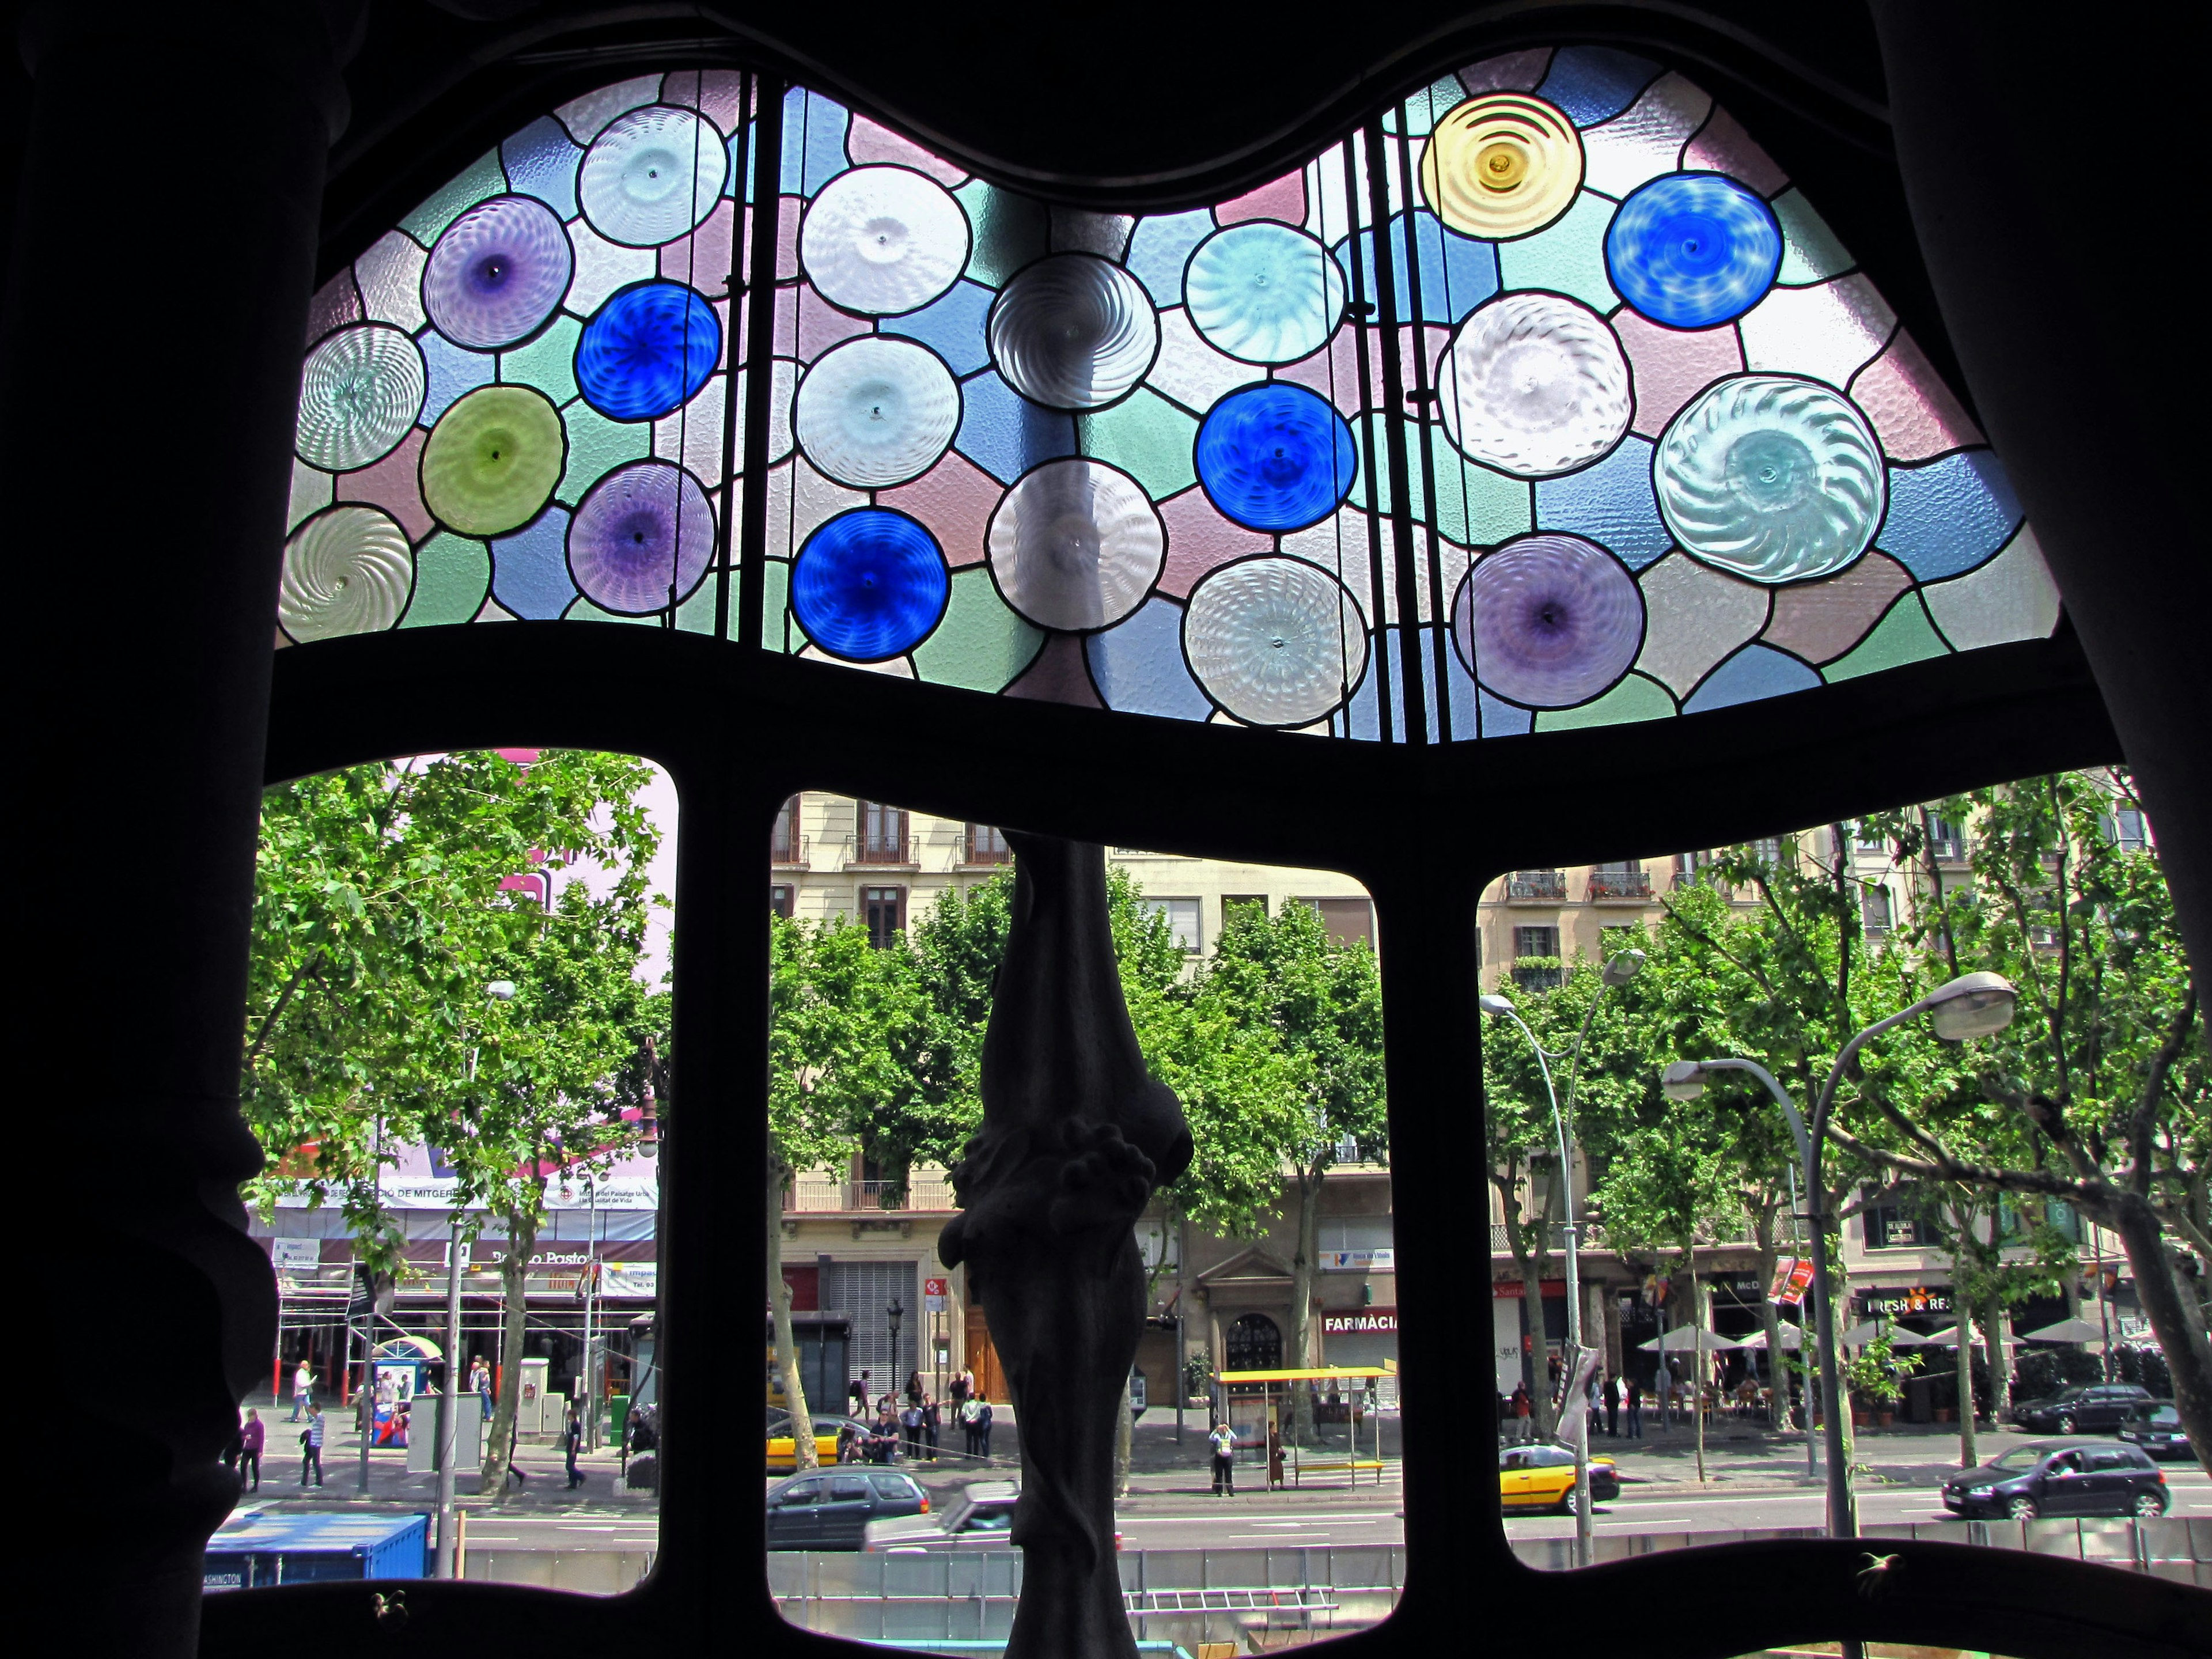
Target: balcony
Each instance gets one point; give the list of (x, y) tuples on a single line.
[(785, 853), (822, 1195), (882, 852), (1536, 887), (1632, 886)]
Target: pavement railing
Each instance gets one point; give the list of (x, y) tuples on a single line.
[(587, 1572)]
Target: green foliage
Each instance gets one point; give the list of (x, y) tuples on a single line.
[(1876, 1374), (2042, 1371)]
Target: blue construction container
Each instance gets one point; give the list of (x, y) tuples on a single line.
[(261, 1548)]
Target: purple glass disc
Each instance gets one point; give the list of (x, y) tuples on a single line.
[(1548, 621), (497, 272), (642, 529)]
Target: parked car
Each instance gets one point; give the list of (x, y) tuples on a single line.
[(783, 1452), (2061, 1478), (980, 1519), (1543, 1478), (2155, 1425), (2078, 1410), (830, 1511)]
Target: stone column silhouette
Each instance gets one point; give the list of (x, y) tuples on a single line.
[(1076, 1135)]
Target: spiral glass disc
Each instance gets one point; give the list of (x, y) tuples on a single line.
[(1549, 621), (1535, 384), (648, 351), (1771, 477), (346, 571), (642, 531), (1502, 165), (876, 412), (1275, 642), (869, 585), (882, 241), (1275, 457), (1264, 291), (360, 394), (493, 459), (654, 174), (1692, 249), (1073, 332), (1075, 545), (497, 272)]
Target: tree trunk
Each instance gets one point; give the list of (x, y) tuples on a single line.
[(514, 1322), (1770, 1318), (2174, 1317), (787, 1344), (1968, 1459), (1995, 1323), (1697, 1356), (1125, 1437), (1302, 1257)]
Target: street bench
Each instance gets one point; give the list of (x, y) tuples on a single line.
[(1354, 1466)]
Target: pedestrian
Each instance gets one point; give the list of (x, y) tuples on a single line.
[(572, 1442), (932, 1418), (959, 1390), (1522, 1408), (1223, 1439), (913, 1387), (850, 1435), (251, 1440), (303, 1386), (885, 1447), (970, 1410), (910, 1429), (1635, 1409), (514, 1434), (310, 1447), (859, 1394), (480, 1380), (983, 1430), (1612, 1406)]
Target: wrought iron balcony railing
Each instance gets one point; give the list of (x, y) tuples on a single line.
[(1536, 885), (1620, 884)]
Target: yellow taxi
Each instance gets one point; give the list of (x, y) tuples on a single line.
[(1543, 1478), (783, 1452)]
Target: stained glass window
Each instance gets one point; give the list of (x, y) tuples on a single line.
[(1543, 400)]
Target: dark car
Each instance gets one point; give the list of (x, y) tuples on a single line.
[(831, 1510), (2083, 1410), (2058, 1477), (2155, 1425), (982, 1517)]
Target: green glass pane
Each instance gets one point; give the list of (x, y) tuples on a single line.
[(584, 610), (1634, 699), (1567, 256), (696, 614), (548, 362), (482, 178), (1811, 252), (1148, 438), (1903, 634), (451, 576), (980, 645), (1009, 230), (1476, 507), (596, 445), (776, 630), (493, 459)]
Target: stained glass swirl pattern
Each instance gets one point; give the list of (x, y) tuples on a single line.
[(1577, 412)]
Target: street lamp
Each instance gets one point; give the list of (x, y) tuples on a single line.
[(1619, 969), (1971, 1005), (892, 1316)]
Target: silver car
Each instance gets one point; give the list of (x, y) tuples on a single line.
[(980, 1517)]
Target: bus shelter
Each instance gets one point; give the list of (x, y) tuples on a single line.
[(1254, 1405)]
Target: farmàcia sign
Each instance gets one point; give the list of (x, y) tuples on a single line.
[(1367, 1319)]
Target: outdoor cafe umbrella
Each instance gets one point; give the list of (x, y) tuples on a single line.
[(1683, 1339), (2066, 1330), (1791, 1338)]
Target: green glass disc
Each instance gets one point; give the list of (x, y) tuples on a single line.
[(493, 459)]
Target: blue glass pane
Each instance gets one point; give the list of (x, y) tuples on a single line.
[(1359, 719), (1610, 503), (870, 584), (1596, 83), (1754, 672), (1457, 272), (1501, 718), (813, 142), (1275, 457), (951, 327), (1138, 665), (1950, 515), (1160, 248), (530, 568), (648, 351), (450, 372), (1007, 435), (541, 161), (1692, 249)]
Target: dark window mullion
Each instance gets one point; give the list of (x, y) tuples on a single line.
[(1362, 310), (760, 350), (1422, 395), (1407, 586)]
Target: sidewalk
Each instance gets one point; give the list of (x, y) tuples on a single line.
[(1745, 1455)]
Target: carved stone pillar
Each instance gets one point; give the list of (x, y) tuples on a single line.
[(1076, 1135)]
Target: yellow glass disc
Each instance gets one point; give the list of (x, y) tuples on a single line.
[(1502, 165)]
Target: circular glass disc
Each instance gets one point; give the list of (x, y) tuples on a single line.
[(1275, 642), (1073, 332), (884, 239), (346, 571), (1264, 291), (359, 393), (493, 459), (1075, 545), (1549, 621), (1692, 249), (1502, 165), (1275, 457), (647, 351), (498, 272), (653, 175), (643, 530), (869, 585), (1535, 384), (876, 411)]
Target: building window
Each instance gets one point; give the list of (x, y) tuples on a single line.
[(1536, 965), (987, 844), (1254, 1344), (1536, 941), (1946, 841), (1348, 920), (2129, 831), (881, 833), (778, 898), (783, 842), (1874, 910), (1183, 918), (1767, 849), (1625, 880), (1693, 867), (1898, 1223), (883, 909)]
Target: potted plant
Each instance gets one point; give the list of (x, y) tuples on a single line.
[(1874, 1377)]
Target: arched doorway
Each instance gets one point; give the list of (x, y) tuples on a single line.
[(1255, 1343)]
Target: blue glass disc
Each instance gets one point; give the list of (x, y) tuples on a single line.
[(1692, 249), (648, 351), (1275, 457), (870, 584)]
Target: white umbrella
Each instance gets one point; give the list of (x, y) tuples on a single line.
[(2066, 1330), (1791, 1338), (1859, 1335), (1686, 1339)]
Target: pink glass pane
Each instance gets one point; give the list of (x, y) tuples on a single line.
[(1200, 539), (393, 484), (1914, 413), (1820, 621), (1723, 146), (1670, 366), (1285, 200), (953, 501)]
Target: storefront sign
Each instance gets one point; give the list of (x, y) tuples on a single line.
[(1384, 1321), (629, 1278), (1896, 1303), (1358, 1262), (1792, 1278)]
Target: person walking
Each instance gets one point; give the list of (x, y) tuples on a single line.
[(1612, 1406), (480, 1380), (983, 1430), (572, 1442), (1223, 1439), (970, 1409), (913, 1387), (251, 1437), (303, 1389), (310, 1447), (961, 1386), (1523, 1423), (859, 1395), (931, 1420), (910, 1429), (1635, 1409)]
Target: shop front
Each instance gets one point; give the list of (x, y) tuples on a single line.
[(1363, 1336)]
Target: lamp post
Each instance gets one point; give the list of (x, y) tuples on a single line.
[(1971, 1005), (1618, 970), (892, 1316)]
